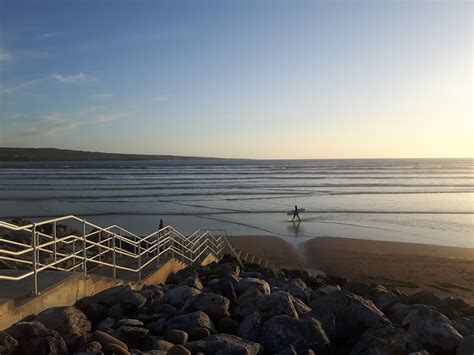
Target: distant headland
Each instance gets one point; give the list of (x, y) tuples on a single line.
[(53, 154)]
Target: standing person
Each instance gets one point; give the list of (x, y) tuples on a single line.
[(161, 227), (295, 214)]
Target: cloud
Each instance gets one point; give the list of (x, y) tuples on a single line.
[(160, 98), (47, 35), (5, 56), (73, 78), (102, 95), (18, 86)]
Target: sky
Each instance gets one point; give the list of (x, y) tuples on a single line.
[(239, 78)]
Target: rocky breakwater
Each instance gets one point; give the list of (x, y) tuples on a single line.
[(224, 309)]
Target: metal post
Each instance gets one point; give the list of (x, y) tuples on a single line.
[(100, 246), (54, 245), (139, 263), (84, 244), (74, 255), (120, 239), (113, 256), (253, 258), (35, 265), (158, 250)]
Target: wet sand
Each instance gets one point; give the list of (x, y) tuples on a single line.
[(447, 271)]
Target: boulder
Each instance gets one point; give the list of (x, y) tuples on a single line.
[(104, 339), (215, 306), (178, 350), (106, 325), (224, 344), (66, 321), (129, 322), (192, 281), (295, 287), (268, 306), (385, 340), (198, 333), (178, 296), (34, 338), (399, 311), (467, 322), (177, 336), (132, 336), (8, 344), (114, 349), (354, 314), (385, 300), (466, 346), (427, 298), (325, 290), (432, 329), (281, 332), (249, 328), (249, 282), (249, 294), (188, 321), (129, 300), (94, 311), (227, 325), (116, 311), (92, 347), (362, 289), (227, 268)]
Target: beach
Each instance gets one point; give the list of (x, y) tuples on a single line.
[(447, 271)]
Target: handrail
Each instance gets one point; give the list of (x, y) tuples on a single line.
[(112, 247)]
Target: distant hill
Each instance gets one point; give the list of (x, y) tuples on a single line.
[(53, 154)]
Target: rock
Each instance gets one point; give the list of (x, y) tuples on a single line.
[(300, 307), (249, 294), (8, 344), (93, 310), (456, 303), (386, 340), (427, 298), (132, 336), (163, 345), (249, 282), (114, 349), (227, 268), (34, 338), (224, 344), (92, 347), (447, 310), (281, 332), (335, 280), (354, 314), (116, 311), (192, 281), (178, 350), (399, 311), (268, 306), (295, 287), (65, 320), (130, 322), (227, 325), (467, 322), (165, 310), (106, 325), (466, 346), (249, 328), (385, 300), (104, 339), (178, 296), (325, 290), (129, 300), (359, 288), (215, 306), (188, 321), (432, 329), (198, 333), (177, 336)]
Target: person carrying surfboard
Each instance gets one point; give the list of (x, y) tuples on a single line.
[(295, 214)]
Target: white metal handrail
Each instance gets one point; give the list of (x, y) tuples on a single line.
[(112, 247)]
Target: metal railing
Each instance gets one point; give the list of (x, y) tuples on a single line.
[(92, 247)]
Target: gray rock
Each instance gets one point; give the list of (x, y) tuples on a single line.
[(224, 343), (466, 346), (249, 328), (132, 336), (178, 350), (65, 320), (432, 329), (249, 294), (177, 336), (106, 325), (227, 325), (281, 332), (93, 310), (178, 296), (92, 347), (116, 311), (268, 306), (295, 287), (427, 298), (324, 291), (215, 306), (192, 281), (300, 307), (114, 349), (130, 322), (198, 333), (385, 300), (129, 300), (399, 311), (354, 314), (105, 339), (227, 268), (246, 283), (34, 338), (362, 289), (8, 344), (191, 320), (467, 322), (387, 340)]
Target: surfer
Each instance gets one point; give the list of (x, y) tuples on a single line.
[(295, 214)]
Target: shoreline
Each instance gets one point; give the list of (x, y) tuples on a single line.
[(410, 267)]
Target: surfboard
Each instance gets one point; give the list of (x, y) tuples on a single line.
[(300, 210)]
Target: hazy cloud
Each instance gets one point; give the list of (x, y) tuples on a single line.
[(73, 78), (5, 56), (6, 89), (101, 95), (48, 35)]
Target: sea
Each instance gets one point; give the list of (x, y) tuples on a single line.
[(428, 201)]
